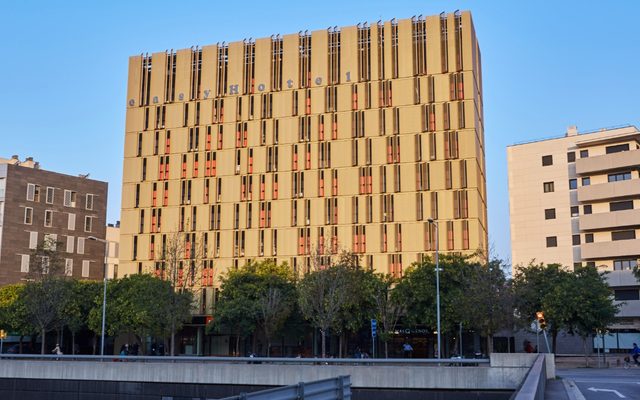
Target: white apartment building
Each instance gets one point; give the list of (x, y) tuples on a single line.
[(575, 200)]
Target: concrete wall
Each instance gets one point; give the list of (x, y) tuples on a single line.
[(507, 374)]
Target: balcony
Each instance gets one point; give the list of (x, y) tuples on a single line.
[(621, 279), (609, 190), (608, 162), (616, 219), (613, 249), (630, 308)]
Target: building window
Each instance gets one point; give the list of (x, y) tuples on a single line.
[(588, 238), (550, 213), (573, 184), (24, 263), (552, 241), (48, 218), (548, 187), (624, 265), (50, 195), (87, 223), (622, 176), (547, 160), (89, 202), (70, 198), (584, 153), (28, 215), (575, 211), (587, 209), (617, 148), (586, 181), (626, 294), (68, 266), (85, 268), (623, 235), (33, 240), (621, 205), (575, 240), (571, 156)]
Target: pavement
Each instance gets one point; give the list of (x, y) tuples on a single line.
[(594, 384)]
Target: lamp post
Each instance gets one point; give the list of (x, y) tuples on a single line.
[(104, 292), (435, 223)]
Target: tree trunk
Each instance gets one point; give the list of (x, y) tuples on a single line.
[(386, 349), (173, 338), (489, 344), (340, 345), (21, 338), (42, 344), (73, 342), (95, 343), (324, 343), (238, 346), (554, 336), (586, 355)]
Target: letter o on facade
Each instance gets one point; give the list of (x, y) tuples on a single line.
[(181, 96), (261, 87), (155, 99), (132, 103), (318, 81)]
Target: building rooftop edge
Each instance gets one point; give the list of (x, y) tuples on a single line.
[(587, 132)]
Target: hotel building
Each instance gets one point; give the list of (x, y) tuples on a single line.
[(38, 205), (341, 138), (575, 200)]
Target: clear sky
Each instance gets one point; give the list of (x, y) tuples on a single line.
[(546, 65)]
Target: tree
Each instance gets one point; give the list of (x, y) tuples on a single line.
[(535, 289), (260, 294), (488, 302), (181, 264), (83, 296), (13, 311), (46, 293), (388, 308), (583, 302)]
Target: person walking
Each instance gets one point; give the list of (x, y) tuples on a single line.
[(57, 351), (635, 353), (407, 349)]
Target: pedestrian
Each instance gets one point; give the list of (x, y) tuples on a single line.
[(635, 352), (407, 349), (528, 348), (56, 350)]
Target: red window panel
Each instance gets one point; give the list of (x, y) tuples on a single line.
[(208, 146), (207, 167), (167, 145), (262, 217), (308, 106), (187, 250), (153, 226), (154, 198), (321, 244), (363, 243), (307, 164), (250, 166), (321, 187), (184, 170), (205, 276), (300, 244), (219, 139), (354, 101), (334, 186), (262, 189), (206, 193), (213, 166), (334, 130), (389, 152), (307, 244), (460, 87), (245, 136), (432, 119), (180, 277), (321, 131), (334, 244), (243, 191), (356, 242), (362, 184), (269, 216), (275, 190), (238, 138), (161, 170), (384, 242), (165, 199), (195, 168), (369, 183), (294, 165), (335, 213), (166, 170), (389, 96), (250, 188), (211, 274)]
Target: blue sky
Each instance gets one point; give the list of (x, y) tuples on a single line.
[(546, 65)]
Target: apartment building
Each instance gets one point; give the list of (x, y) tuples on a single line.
[(286, 146), (575, 200), (38, 205)]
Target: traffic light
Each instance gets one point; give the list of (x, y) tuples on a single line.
[(3, 334), (542, 323)]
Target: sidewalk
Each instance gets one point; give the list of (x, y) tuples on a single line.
[(555, 390)]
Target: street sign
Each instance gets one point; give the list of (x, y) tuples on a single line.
[(374, 328)]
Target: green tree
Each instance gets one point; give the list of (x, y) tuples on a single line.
[(536, 289), (13, 311), (389, 308), (83, 297), (259, 295)]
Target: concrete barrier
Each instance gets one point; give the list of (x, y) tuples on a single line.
[(524, 360), (533, 386)]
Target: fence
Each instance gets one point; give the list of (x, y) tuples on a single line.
[(326, 389)]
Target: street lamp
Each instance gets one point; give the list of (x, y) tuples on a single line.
[(435, 223), (104, 293)]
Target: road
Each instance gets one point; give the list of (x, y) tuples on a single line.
[(604, 384)]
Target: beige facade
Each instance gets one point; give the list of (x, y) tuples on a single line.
[(113, 249), (576, 200), (274, 148)]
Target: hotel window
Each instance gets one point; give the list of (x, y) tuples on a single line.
[(145, 81), (456, 86), (548, 187), (448, 172), (461, 115), (419, 207), (170, 87), (364, 53), (465, 235), (458, 40), (276, 62), (394, 48), (573, 184), (185, 121), (621, 205), (571, 156), (575, 240), (622, 176), (223, 63), (419, 35), (450, 236), (586, 181), (249, 67), (429, 117), (547, 160), (434, 205), (382, 125), (274, 242), (31, 189), (305, 60), (587, 209), (70, 244), (623, 235), (294, 212), (48, 218), (574, 211), (167, 143), (444, 43), (463, 174), (584, 153), (446, 116), (196, 76), (617, 148), (354, 210), (397, 178), (552, 241), (588, 238), (450, 145), (550, 213)]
